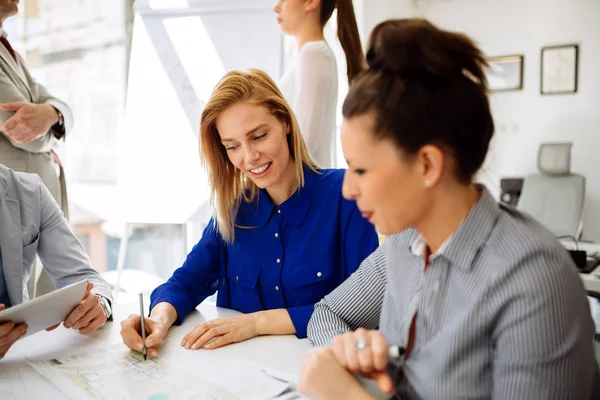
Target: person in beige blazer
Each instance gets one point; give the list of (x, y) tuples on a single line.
[(31, 123)]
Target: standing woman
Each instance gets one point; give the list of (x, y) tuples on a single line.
[(282, 237), (311, 84)]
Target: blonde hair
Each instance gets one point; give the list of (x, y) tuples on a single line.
[(228, 184)]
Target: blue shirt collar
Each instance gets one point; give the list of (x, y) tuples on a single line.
[(293, 210)]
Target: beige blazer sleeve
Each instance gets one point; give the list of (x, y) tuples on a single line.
[(17, 84)]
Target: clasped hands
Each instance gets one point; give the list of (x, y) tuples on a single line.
[(360, 352), (86, 317), (29, 122)]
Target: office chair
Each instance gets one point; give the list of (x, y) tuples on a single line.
[(555, 196)]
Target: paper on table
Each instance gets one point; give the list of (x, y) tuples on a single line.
[(20, 381), (107, 372), (245, 380), (292, 396), (12, 383)]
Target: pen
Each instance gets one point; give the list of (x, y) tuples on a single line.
[(395, 352), (144, 352)]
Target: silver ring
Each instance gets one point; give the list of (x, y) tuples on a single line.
[(360, 344)]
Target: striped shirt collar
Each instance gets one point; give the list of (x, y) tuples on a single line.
[(417, 247), (462, 246)]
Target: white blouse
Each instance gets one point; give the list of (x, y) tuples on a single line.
[(311, 88)]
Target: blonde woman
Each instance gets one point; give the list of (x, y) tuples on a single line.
[(282, 237)]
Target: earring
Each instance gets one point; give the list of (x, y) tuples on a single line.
[(427, 183)]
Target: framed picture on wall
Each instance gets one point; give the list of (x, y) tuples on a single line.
[(559, 69), (505, 73)]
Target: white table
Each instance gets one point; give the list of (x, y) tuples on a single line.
[(282, 353), (591, 281)]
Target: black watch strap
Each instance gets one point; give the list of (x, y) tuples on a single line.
[(58, 129)]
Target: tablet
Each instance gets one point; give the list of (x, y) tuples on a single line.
[(47, 310)]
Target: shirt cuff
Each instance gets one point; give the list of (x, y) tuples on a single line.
[(108, 310), (106, 294), (108, 300), (181, 304), (300, 317), (60, 106)]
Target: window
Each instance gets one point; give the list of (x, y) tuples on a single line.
[(133, 153)]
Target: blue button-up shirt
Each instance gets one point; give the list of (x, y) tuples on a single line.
[(288, 256)]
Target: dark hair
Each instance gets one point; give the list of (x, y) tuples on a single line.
[(426, 86), (347, 31)]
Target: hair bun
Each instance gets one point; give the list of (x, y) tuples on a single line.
[(414, 48)]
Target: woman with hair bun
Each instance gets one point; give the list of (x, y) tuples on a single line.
[(466, 298)]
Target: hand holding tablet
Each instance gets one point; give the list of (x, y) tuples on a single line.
[(9, 334), (41, 312)]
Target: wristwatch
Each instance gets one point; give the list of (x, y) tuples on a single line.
[(105, 304), (58, 129)]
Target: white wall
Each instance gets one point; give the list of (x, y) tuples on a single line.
[(526, 118), (375, 11)]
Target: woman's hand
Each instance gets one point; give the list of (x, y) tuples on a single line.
[(365, 352), (156, 331), (224, 331), (29, 122), (322, 377)]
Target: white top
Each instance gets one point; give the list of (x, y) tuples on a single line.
[(311, 88)]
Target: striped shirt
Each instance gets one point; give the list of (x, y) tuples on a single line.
[(500, 311)]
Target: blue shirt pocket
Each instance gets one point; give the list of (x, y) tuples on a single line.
[(310, 281), (243, 282)]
